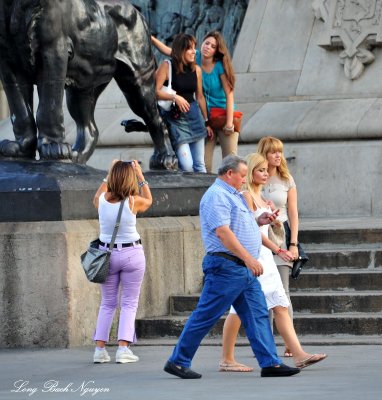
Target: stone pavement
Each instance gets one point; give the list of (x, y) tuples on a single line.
[(350, 372)]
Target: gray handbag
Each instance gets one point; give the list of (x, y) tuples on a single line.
[(95, 261)]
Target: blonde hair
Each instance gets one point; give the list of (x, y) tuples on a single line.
[(269, 144), (122, 181), (254, 161)]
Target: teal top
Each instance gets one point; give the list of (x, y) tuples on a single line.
[(212, 87)]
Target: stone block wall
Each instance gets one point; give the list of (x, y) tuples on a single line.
[(47, 300)]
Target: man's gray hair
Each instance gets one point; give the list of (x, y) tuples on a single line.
[(230, 162)]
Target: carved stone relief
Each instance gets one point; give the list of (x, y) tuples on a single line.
[(355, 26), (196, 17)]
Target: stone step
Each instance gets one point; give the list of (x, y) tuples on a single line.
[(337, 302), (316, 302), (344, 258), (339, 234), (305, 324), (338, 280), (337, 339)]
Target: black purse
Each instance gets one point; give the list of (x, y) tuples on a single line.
[(96, 262), (299, 264)]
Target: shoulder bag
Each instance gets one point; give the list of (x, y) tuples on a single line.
[(166, 104), (95, 261), (218, 116)]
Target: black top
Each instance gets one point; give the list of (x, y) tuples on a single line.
[(184, 83)]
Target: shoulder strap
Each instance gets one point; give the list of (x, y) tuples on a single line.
[(111, 245), (169, 74)]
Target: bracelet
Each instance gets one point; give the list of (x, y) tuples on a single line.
[(280, 250), (143, 183), (206, 122), (293, 244), (231, 129), (174, 100)]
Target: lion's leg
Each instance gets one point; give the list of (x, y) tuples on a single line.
[(141, 98), (50, 85), (81, 106), (20, 100)]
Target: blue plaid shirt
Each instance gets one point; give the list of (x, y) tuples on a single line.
[(222, 205)]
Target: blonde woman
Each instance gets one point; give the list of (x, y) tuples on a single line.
[(281, 190), (270, 280)]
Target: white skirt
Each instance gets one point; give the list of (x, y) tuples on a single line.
[(270, 281)]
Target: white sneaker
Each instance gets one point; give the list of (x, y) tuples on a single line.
[(101, 356), (125, 356)]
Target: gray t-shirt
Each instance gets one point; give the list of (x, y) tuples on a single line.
[(276, 190)]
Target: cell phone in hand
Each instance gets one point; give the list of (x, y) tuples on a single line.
[(275, 213)]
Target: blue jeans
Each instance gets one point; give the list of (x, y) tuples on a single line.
[(191, 156), (227, 283)]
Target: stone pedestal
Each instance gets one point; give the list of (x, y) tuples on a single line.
[(47, 300)]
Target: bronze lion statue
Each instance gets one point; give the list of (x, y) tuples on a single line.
[(77, 46)]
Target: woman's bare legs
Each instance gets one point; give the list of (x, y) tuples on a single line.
[(284, 271), (101, 343), (230, 332), (286, 330)]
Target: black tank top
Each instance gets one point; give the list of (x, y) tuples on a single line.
[(185, 83)]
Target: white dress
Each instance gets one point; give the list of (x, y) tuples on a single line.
[(270, 279)]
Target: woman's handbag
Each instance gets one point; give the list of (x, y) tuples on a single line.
[(299, 264), (95, 261), (218, 117), (166, 104)]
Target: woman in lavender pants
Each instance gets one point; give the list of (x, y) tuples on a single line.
[(125, 181)]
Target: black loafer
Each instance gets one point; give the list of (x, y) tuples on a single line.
[(279, 370), (181, 372)]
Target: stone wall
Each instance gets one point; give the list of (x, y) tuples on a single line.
[(47, 300)]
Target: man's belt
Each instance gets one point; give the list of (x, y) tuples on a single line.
[(230, 257)]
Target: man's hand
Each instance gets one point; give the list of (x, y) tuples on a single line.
[(266, 217), (254, 265)]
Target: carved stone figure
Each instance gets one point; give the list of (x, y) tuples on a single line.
[(232, 23), (170, 26), (190, 18), (213, 19), (77, 46), (148, 10), (355, 25)]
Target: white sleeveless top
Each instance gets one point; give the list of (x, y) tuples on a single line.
[(107, 215)]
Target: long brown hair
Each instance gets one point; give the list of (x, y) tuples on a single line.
[(269, 144), (222, 54), (182, 42), (122, 181)]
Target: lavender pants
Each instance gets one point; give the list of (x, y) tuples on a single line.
[(127, 267)]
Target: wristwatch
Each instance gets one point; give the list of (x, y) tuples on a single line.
[(293, 244)]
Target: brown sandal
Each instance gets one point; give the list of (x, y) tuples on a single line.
[(313, 359), (234, 367)]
